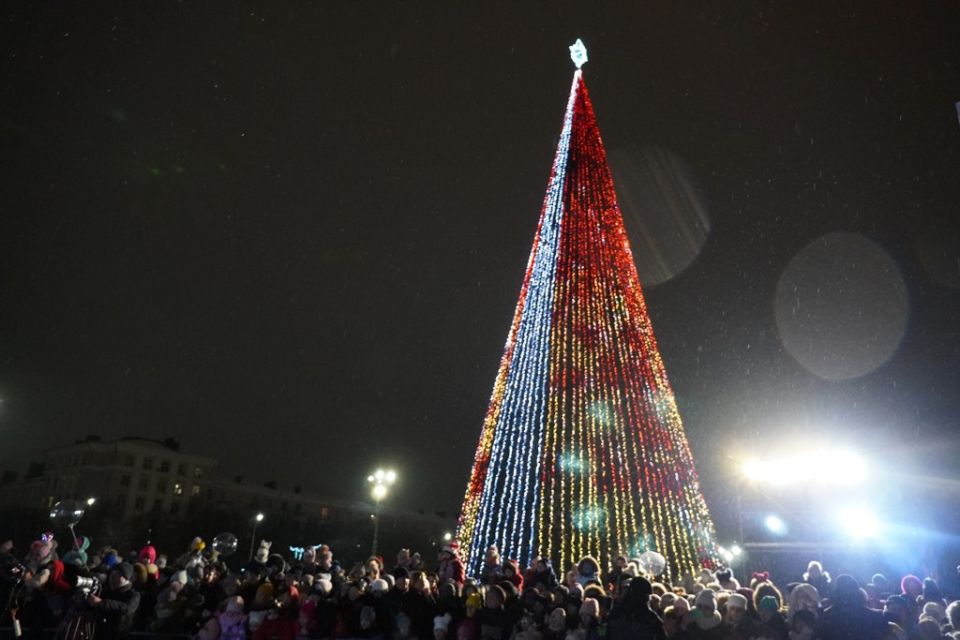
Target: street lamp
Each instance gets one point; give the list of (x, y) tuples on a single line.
[(381, 481), (257, 519), (91, 501)]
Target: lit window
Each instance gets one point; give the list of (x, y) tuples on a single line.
[(177, 489), (195, 490)]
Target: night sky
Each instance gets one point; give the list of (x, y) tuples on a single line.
[(293, 234)]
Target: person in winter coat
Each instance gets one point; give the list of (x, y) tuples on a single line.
[(772, 623), (492, 571), (451, 567), (849, 617), (632, 618), (115, 609), (494, 621), (541, 574), (704, 621), (282, 622), (228, 624), (556, 627), (819, 578), (511, 573)]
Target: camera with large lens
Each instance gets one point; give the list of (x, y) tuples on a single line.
[(87, 585)]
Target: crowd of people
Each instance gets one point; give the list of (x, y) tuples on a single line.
[(108, 594)]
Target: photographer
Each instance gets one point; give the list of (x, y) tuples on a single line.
[(116, 607)]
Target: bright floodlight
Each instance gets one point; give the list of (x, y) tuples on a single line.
[(259, 517), (775, 525), (379, 475), (91, 501), (858, 522), (736, 550), (825, 465), (844, 467), (752, 469), (447, 537), (725, 553), (379, 492), (390, 476)]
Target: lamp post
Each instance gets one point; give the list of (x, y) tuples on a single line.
[(381, 481), (257, 519)]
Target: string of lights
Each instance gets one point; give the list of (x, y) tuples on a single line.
[(582, 450)]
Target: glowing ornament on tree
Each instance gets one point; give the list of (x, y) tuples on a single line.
[(582, 450)]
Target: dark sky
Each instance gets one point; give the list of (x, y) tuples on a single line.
[(293, 234)]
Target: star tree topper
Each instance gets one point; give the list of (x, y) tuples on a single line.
[(578, 53)]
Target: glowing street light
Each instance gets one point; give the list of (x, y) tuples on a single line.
[(381, 480), (257, 519), (447, 537), (91, 501)]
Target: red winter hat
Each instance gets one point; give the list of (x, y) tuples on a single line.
[(148, 554), (57, 581)]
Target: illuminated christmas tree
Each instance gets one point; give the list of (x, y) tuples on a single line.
[(582, 449)]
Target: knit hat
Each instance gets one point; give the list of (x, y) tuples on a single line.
[(590, 607), (197, 544), (148, 554), (706, 597), (576, 591), (400, 572), (379, 586), (804, 590), (737, 600), (474, 600), (667, 599), (126, 570), (768, 603), (110, 559), (682, 605), (140, 572), (265, 590), (935, 611), (234, 605), (643, 586), (180, 576)]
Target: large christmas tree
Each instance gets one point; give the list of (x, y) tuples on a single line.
[(582, 450)]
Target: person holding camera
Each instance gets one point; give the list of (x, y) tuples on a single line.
[(115, 608)]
